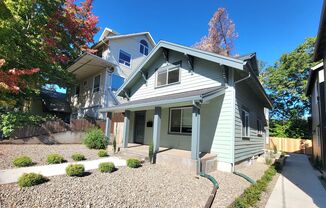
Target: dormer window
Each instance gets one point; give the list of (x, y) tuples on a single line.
[(124, 58), (143, 49)]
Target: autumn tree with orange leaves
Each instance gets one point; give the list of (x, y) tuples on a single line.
[(46, 35), (221, 34)]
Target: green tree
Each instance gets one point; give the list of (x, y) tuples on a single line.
[(44, 34), (285, 82)]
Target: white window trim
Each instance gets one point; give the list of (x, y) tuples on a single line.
[(124, 61), (99, 86), (170, 119), (246, 114), (167, 77), (140, 44)]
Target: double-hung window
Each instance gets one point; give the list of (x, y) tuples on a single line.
[(143, 48), (167, 76), (124, 58), (259, 127), (245, 123), (180, 120), (96, 83)]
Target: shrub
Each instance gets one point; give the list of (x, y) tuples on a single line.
[(106, 167), (10, 121), (78, 157), (102, 153), (114, 145), (133, 163), (95, 139), (268, 161), (75, 170), (55, 159), (22, 161), (31, 179), (151, 153)]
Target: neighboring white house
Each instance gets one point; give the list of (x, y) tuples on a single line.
[(99, 75), (193, 100)]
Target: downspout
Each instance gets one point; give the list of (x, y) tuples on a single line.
[(250, 180)]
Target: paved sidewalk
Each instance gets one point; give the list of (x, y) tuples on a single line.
[(297, 186), (12, 175)]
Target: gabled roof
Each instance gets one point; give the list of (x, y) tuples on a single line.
[(312, 76), (321, 36), (120, 36), (223, 60)]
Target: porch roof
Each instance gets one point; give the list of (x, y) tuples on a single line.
[(202, 95), (88, 64)]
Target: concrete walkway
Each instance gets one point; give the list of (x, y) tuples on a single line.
[(297, 186), (12, 175)]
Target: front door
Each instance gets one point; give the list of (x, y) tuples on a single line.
[(140, 126)]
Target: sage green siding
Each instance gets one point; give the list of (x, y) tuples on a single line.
[(248, 147)]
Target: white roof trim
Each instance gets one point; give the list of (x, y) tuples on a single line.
[(317, 66), (112, 37)]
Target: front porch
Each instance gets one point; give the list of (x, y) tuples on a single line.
[(174, 125), (174, 158)]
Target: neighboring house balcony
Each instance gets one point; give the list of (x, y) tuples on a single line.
[(180, 124)]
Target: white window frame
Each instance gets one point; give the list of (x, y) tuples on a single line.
[(167, 76), (124, 62), (97, 89), (145, 47), (170, 119), (259, 127), (243, 132)]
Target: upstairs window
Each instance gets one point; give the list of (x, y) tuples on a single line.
[(124, 58), (167, 76), (96, 83), (245, 123), (180, 120), (259, 127), (143, 49)]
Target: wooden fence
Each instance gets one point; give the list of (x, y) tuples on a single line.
[(51, 127), (291, 145)]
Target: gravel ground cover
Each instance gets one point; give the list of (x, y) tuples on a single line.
[(232, 186), (148, 186), (38, 152)]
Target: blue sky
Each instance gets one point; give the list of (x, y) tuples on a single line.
[(269, 28)]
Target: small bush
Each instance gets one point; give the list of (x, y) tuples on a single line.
[(22, 161), (133, 163), (114, 145), (151, 153), (268, 161), (55, 159), (78, 157), (31, 179), (102, 153), (106, 167), (75, 170), (95, 139)]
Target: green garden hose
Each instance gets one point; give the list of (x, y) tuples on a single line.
[(210, 199), (250, 180)]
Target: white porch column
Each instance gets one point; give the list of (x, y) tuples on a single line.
[(126, 129), (195, 135), (157, 129), (108, 124)]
